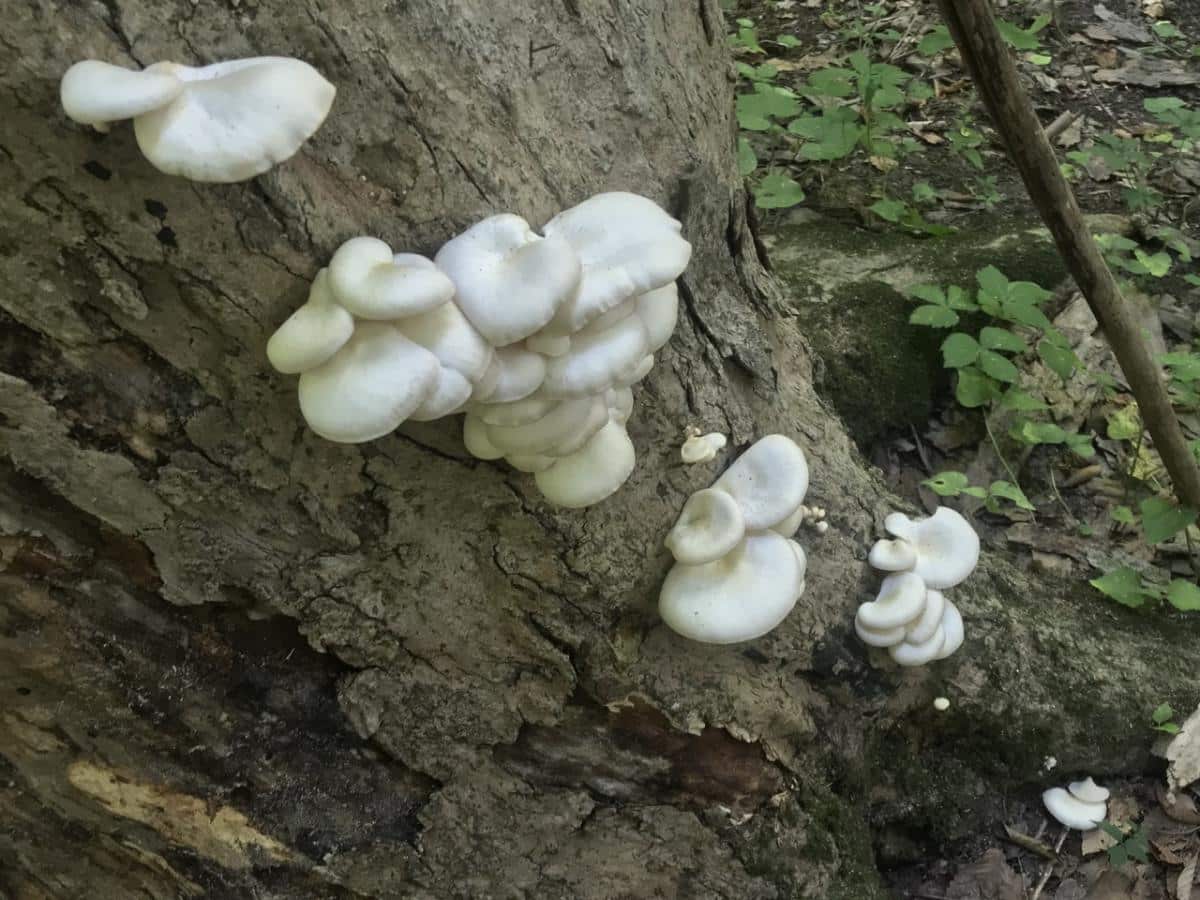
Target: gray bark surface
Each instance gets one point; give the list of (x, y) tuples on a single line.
[(238, 660)]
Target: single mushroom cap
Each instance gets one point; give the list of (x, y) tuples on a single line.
[(513, 374), (921, 629), (952, 625), (622, 310), (792, 523), (592, 473), (768, 481), (909, 653), (530, 462), (900, 601), (628, 246), (659, 311), (1088, 791), (1073, 812), (475, 439), (96, 93), (877, 637), (594, 360), (311, 334), (373, 283), (516, 412), (509, 281), (701, 448), (445, 332), (566, 420), (947, 546), (234, 120), (738, 597), (598, 416), (371, 385), (892, 556), (631, 375), (450, 393), (709, 526)]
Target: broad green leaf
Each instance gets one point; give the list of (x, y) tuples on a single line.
[(1185, 367), (1123, 585), (830, 136), (1162, 104), (755, 111), (1038, 433), (1161, 519), (1025, 292), (1162, 713), (1122, 514), (831, 82), (1184, 595), (1001, 339), (992, 281), (924, 192), (959, 350), (974, 389), (935, 41), (930, 293), (934, 317), (889, 210), (1125, 424), (1020, 401), (747, 159), (777, 191), (998, 367), (1081, 445), (1024, 313), (1010, 491), (960, 299), (947, 484), (1166, 30), (788, 40), (1156, 264), (1059, 360)]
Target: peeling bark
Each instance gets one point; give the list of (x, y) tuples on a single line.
[(391, 669)]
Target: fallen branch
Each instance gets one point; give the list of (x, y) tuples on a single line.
[(991, 66)]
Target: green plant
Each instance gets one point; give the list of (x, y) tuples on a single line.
[(1132, 844), (907, 216), (1161, 719), (965, 140), (1127, 157), (952, 484), (1129, 588), (746, 37)]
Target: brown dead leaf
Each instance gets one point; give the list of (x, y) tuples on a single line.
[(1106, 58), (1112, 885), (1183, 884), (1072, 134), (1153, 8), (1148, 72), (1096, 841), (884, 163), (988, 879), (1179, 806)]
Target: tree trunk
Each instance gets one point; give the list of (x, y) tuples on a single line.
[(238, 660)]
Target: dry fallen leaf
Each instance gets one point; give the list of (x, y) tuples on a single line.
[(988, 879), (1148, 72), (884, 163), (1112, 885), (1108, 58), (1153, 8), (1179, 806)]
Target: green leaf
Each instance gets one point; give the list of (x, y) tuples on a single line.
[(1162, 104), (974, 389), (947, 484), (1038, 433), (935, 41), (1021, 38), (1123, 585), (1162, 519), (1156, 265), (788, 40), (1125, 424), (934, 317), (1122, 514), (1185, 367), (1027, 292), (1166, 30), (960, 299), (755, 111), (747, 159), (832, 135), (1081, 445), (1061, 361), (959, 350), (1001, 339), (890, 210), (924, 192), (1162, 713), (992, 281), (1009, 491), (1184, 595), (1024, 313), (998, 366), (1167, 728), (777, 191), (1019, 401), (930, 293), (831, 82)]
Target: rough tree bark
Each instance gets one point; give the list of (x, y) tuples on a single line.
[(237, 660)]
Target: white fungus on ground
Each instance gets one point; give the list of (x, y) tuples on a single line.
[(1082, 805), (224, 122), (737, 572), (941, 704), (911, 617), (537, 338), (701, 448)]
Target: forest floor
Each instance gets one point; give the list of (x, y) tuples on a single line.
[(857, 120)]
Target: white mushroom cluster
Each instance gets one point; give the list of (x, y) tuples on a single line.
[(911, 616), (1083, 805), (225, 122), (737, 572), (538, 338)]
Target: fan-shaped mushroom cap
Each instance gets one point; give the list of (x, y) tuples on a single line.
[(1088, 791), (450, 392), (768, 481), (708, 527), (792, 523), (234, 120), (563, 422), (921, 629), (659, 311), (445, 332), (738, 597), (514, 374), (592, 473), (607, 320), (912, 653), (598, 416), (311, 334), (892, 556), (531, 462), (373, 284), (701, 448), (882, 637), (900, 601), (952, 625), (517, 412), (509, 281), (620, 404), (801, 567), (1073, 812), (594, 360), (947, 546), (476, 440), (628, 245), (96, 93), (371, 385), (633, 374)]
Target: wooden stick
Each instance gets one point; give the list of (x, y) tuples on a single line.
[(986, 56)]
